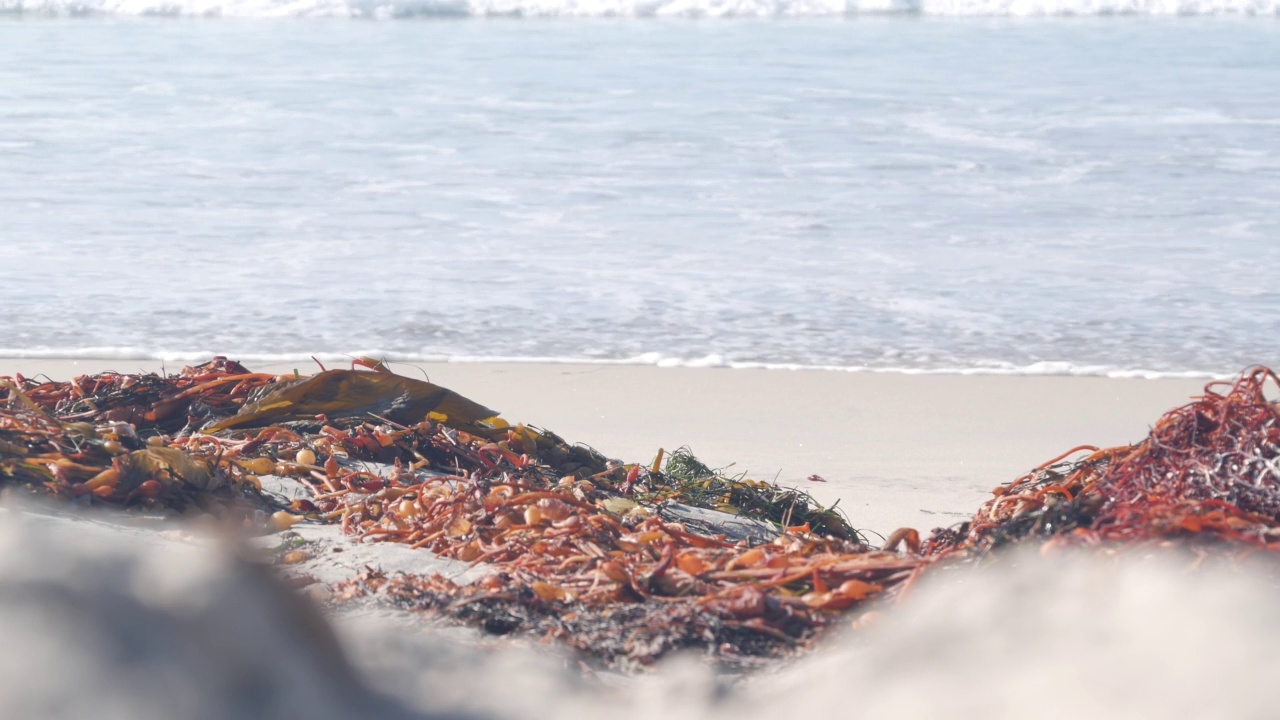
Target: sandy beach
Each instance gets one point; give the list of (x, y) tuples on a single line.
[(909, 259), (895, 450)]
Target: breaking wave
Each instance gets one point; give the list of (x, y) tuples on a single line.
[(388, 9)]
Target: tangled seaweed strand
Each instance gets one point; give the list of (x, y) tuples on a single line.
[(1209, 472)]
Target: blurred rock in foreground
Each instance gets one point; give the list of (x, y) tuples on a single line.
[(106, 622), (103, 625)]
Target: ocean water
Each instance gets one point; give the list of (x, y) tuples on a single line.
[(858, 184)]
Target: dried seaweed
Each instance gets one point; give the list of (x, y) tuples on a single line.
[(584, 550), (1207, 474), (622, 584)]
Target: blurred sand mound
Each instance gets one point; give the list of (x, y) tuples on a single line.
[(101, 627), (1068, 636), (1065, 636), (108, 628)]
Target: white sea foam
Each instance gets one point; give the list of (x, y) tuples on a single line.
[(654, 359), (385, 9)]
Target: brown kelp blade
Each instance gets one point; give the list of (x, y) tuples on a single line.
[(339, 394)]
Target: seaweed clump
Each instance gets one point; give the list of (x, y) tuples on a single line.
[(580, 547), (622, 586), (98, 440), (1208, 474), (589, 551), (687, 480)]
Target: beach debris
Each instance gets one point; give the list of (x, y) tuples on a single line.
[(108, 464), (622, 562), (617, 578), (733, 527), (686, 480), (345, 397), (146, 402), (1207, 475)]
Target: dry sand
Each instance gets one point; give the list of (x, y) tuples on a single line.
[(896, 450)]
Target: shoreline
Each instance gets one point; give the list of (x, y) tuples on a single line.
[(922, 451), (1043, 368)]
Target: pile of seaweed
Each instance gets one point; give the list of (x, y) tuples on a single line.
[(622, 587), (1207, 475), (99, 440), (591, 551), (622, 562)]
